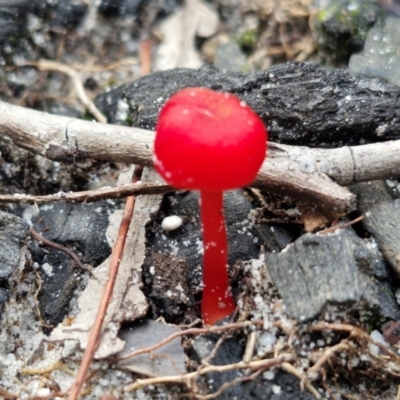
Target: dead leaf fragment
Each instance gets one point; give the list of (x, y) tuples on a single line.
[(167, 360), (179, 32)]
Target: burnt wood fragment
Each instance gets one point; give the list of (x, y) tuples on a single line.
[(81, 227), (301, 103), (321, 270), (14, 231)]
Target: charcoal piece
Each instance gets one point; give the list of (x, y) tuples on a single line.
[(13, 14), (231, 351), (321, 270), (137, 8), (382, 218), (3, 298), (166, 280), (82, 225), (14, 232), (275, 237), (67, 14), (301, 103), (109, 103), (186, 242), (59, 281)]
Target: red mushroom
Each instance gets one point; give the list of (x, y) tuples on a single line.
[(210, 141)]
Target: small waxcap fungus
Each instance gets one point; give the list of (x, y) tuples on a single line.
[(213, 142), (209, 141)]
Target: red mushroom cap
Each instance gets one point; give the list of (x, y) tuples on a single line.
[(209, 141)]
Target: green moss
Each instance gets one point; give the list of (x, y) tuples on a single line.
[(373, 319), (248, 39)]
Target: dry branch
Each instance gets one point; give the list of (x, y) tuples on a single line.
[(312, 175)]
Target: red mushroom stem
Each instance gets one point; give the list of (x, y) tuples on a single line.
[(217, 300)]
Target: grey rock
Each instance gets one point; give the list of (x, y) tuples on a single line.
[(320, 270), (301, 103), (14, 231), (382, 218), (381, 54), (229, 57)]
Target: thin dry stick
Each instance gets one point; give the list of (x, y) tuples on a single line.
[(48, 65), (8, 395), (57, 246), (65, 139), (184, 378), (145, 57), (99, 68), (326, 356), (116, 257), (341, 226), (89, 196), (250, 346)]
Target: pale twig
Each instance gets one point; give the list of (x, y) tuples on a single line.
[(49, 65), (89, 196), (185, 378), (250, 346), (206, 360), (116, 257), (99, 68), (66, 139), (341, 226), (8, 395), (328, 353)]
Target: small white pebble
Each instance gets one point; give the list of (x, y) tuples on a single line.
[(269, 375), (171, 223), (276, 389)]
